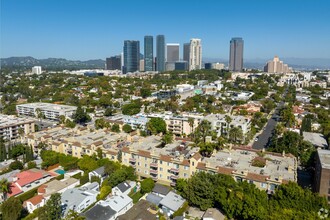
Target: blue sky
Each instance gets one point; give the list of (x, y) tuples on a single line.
[(93, 29)]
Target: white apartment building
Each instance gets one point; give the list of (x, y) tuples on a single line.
[(220, 125), (195, 55), (36, 70), (10, 126), (48, 110)]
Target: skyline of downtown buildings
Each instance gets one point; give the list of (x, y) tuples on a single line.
[(165, 56)]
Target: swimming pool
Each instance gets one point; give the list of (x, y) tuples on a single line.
[(60, 171)]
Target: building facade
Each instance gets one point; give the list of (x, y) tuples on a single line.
[(36, 70), (322, 173), (148, 53), (236, 54), (195, 54), (45, 110), (186, 52), (172, 52), (160, 50), (113, 63), (12, 127), (131, 56), (276, 66)]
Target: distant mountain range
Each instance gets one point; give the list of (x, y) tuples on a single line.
[(60, 63), (50, 63)]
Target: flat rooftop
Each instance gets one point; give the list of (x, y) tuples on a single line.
[(324, 156), (317, 139), (241, 161), (10, 120), (49, 106)]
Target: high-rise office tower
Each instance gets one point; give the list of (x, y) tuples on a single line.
[(236, 54), (131, 56), (195, 54), (172, 51), (148, 53), (186, 52), (160, 50), (113, 63)]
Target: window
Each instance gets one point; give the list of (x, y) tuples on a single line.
[(329, 191), (185, 175), (161, 162), (146, 172), (264, 185), (176, 166), (193, 163), (161, 169), (138, 163), (186, 167), (138, 170), (168, 177), (160, 175), (145, 165)]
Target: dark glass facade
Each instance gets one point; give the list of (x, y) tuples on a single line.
[(160, 41), (236, 54), (131, 56), (148, 53)]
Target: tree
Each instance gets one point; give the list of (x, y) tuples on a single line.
[(69, 123), (202, 131), (16, 165), (191, 122), (236, 134), (52, 208), (108, 111), (81, 116), (31, 165), (131, 108), (145, 92), (115, 128), (87, 164), (5, 188), (61, 119), (72, 215), (167, 138), (156, 126), (99, 153), (228, 121), (101, 123), (104, 192), (147, 185), (11, 209), (127, 128)]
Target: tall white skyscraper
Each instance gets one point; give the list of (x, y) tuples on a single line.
[(195, 54)]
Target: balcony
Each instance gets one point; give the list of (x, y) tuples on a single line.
[(173, 184), (152, 171), (154, 178), (155, 165), (173, 177), (174, 171), (132, 160)]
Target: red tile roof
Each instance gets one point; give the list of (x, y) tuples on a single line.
[(185, 162), (165, 158), (35, 200), (42, 189), (15, 190), (29, 176), (197, 156), (144, 153), (256, 177), (225, 170), (201, 166)]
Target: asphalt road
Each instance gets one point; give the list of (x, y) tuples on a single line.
[(264, 138)]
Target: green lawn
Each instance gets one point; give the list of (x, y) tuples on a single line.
[(136, 196)]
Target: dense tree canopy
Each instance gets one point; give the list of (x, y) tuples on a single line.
[(156, 126)]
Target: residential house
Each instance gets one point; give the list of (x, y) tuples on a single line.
[(100, 212), (46, 190), (123, 188), (213, 214), (78, 199), (99, 172), (171, 203), (119, 203), (139, 211)]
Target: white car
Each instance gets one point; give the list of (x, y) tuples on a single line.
[(256, 139)]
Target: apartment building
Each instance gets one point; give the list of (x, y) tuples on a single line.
[(179, 160), (12, 126), (80, 141), (164, 165), (223, 126), (47, 110), (322, 173)]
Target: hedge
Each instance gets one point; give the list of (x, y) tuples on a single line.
[(27, 195)]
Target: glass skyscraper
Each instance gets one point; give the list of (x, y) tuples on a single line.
[(131, 56), (236, 54), (160, 41), (148, 53)]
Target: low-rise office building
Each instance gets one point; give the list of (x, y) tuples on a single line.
[(11, 127), (46, 110)]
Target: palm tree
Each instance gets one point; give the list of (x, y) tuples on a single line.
[(39, 114), (228, 120), (191, 123), (5, 188), (236, 134), (21, 132), (221, 143)]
